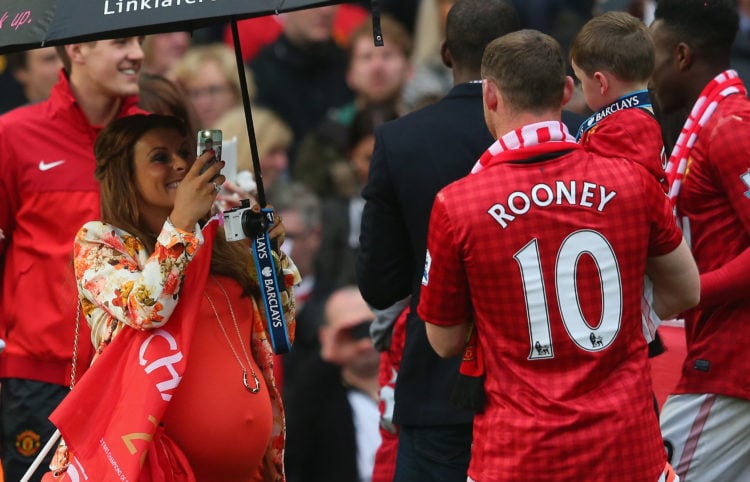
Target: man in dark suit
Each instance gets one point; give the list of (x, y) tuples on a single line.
[(332, 410), (415, 156)]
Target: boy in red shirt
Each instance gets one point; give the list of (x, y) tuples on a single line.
[(613, 56)]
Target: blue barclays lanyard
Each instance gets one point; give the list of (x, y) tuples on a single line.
[(269, 288), (638, 99)]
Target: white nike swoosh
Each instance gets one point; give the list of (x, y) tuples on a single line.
[(46, 166)]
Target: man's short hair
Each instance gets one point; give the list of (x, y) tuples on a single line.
[(529, 69), (707, 26), (616, 42), (472, 24)]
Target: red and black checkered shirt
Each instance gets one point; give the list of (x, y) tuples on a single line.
[(549, 257)]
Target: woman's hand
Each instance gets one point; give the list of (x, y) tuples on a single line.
[(197, 191), (277, 232), (230, 197)]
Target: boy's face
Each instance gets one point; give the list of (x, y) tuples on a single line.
[(591, 88), (108, 67)]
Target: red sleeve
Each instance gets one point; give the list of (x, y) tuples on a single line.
[(444, 297), (728, 154), (728, 283), (665, 235)]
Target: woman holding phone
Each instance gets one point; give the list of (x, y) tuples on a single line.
[(225, 418)]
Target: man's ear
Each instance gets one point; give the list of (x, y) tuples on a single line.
[(568, 89), (683, 56), (74, 52), (445, 54), (490, 95)]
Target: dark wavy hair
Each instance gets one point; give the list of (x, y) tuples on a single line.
[(707, 26), (114, 151)]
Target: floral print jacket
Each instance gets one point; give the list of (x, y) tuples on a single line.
[(120, 285)]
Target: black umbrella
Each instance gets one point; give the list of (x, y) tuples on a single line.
[(27, 24)]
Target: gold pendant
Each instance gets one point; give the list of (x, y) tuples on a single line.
[(249, 388)]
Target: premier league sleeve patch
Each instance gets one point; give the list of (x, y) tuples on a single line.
[(427, 264)]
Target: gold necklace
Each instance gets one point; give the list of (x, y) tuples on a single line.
[(255, 389)]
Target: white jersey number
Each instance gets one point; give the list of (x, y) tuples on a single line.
[(580, 243)]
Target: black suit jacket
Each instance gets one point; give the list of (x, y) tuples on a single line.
[(321, 444), (415, 156)]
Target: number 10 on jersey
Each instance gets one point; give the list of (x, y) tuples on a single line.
[(582, 333)]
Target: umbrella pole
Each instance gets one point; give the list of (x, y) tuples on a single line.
[(248, 114)]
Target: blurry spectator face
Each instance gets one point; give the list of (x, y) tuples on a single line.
[(361, 156), (108, 67), (301, 242), (164, 50), (309, 26), (377, 73), (344, 339), (273, 165), (40, 74), (211, 94)]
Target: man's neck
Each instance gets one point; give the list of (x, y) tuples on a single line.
[(98, 108), (368, 385), (511, 123), (701, 72), (461, 76)]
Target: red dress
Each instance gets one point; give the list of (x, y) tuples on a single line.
[(223, 428)]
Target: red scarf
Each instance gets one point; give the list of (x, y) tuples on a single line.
[(720, 87), (526, 142), (110, 420)]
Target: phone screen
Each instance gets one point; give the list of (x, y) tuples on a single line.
[(209, 139)]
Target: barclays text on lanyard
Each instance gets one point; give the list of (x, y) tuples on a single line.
[(638, 99), (270, 288)]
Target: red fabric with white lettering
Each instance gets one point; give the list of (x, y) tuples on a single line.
[(546, 415), (110, 419)]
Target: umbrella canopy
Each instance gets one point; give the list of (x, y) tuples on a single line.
[(26, 24)]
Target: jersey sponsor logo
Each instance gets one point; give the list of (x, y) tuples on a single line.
[(46, 166), (427, 264)]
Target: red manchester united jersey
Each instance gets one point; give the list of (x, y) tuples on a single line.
[(630, 133), (549, 258), (714, 209)]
